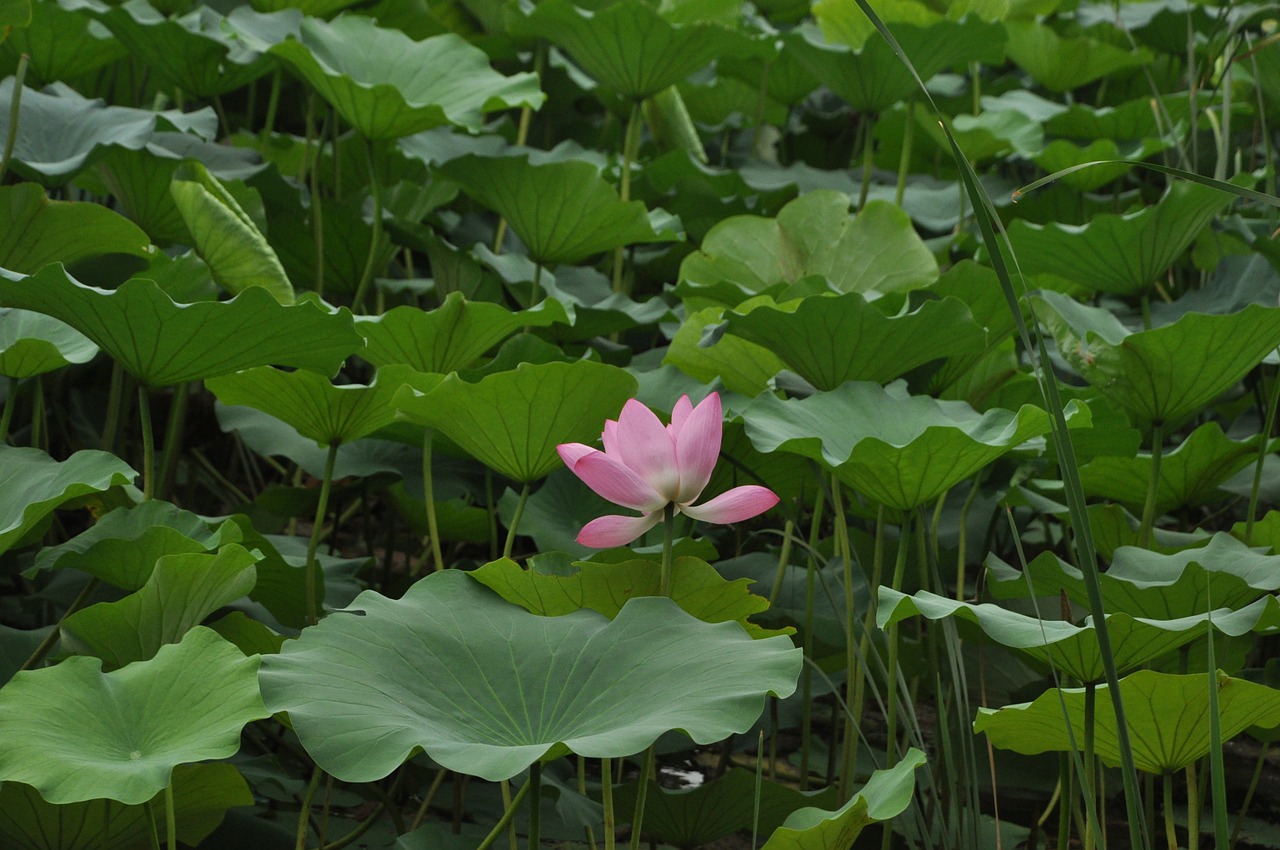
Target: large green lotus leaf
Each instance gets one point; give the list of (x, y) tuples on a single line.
[(160, 342), (1223, 573), (202, 794), (32, 485), (1062, 64), (197, 53), (33, 343), (1121, 254), (604, 588), (60, 134), (831, 340), (629, 48), (978, 287), (63, 42), (513, 421), (1189, 474), (122, 547), (313, 8), (386, 85), (876, 251), (14, 13), (1074, 649), (1168, 719), (225, 236), (1168, 373), (873, 78), (490, 688), (35, 231), (564, 212), (899, 450), (1061, 154), (76, 733), (315, 408), (885, 796), (692, 817), (181, 592), (451, 337), (742, 366)]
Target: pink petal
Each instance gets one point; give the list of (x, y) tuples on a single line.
[(610, 437), (610, 531), (571, 453), (680, 413), (611, 479), (644, 445), (734, 505), (698, 447)]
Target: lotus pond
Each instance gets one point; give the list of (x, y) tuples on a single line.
[(459, 424)]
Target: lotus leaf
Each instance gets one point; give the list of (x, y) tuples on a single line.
[(35, 231), (315, 408), (160, 342), (742, 366), (201, 797), (1120, 254), (32, 344), (76, 733), (386, 85), (1062, 64), (1168, 718), (1141, 583), (564, 212), (629, 48), (831, 340), (62, 41), (875, 252), (885, 796), (695, 586), (899, 450), (33, 485), (180, 593), (1168, 373), (451, 337), (512, 421), (490, 688)]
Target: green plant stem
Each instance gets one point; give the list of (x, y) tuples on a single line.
[(504, 788), (784, 555), (962, 542), (322, 507), (806, 676), (155, 828), (426, 800), (868, 622), (15, 111), (1273, 401), (39, 431), (1170, 830), (606, 801), (273, 104), (507, 814), (522, 135), (148, 445), (535, 806), (668, 538), (1193, 807), (311, 175), (50, 639), (6, 416), (755, 809), (642, 791), (868, 158), (492, 509), (891, 719), (630, 150), (904, 160), (1248, 795), (1089, 784), (852, 670), (582, 789), (173, 433), (1153, 485), (115, 403), (352, 836), (170, 818), (428, 493), (375, 190), (515, 522), (304, 815)]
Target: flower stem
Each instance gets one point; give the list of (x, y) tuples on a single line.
[(1153, 486), (322, 507), (668, 532), (642, 791), (170, 818), (148, 445), (375, 190), (501, 825), (428, 493), (515, 522), (11, 399), (15, 111), (606, 800)]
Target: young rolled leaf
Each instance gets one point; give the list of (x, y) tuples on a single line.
[(1169, 716), (33, 485), (491, 688), (512, 421), (226, 237), (76, 733), (161, 342), (386, 85)]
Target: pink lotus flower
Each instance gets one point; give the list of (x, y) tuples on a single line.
[(647, 466)]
